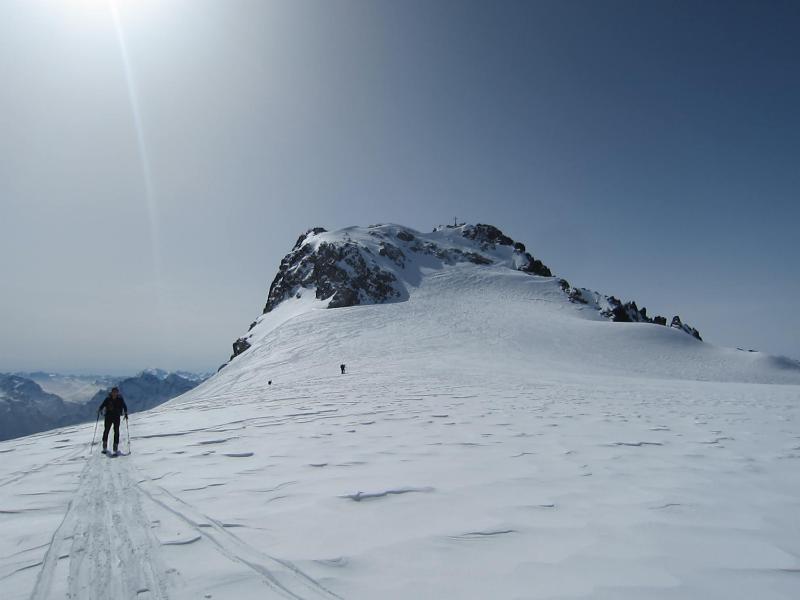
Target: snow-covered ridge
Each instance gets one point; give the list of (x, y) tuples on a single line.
[(385, 263)]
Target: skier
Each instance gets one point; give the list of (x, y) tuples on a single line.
[(341, 366), (114, 406)]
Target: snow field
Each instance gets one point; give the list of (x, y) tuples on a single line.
[(614, 488), (490, 440)]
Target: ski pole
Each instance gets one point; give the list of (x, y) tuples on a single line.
[(95, 432), (128, 429)]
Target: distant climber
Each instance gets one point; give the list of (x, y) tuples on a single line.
[(114, 407), (342, 367)]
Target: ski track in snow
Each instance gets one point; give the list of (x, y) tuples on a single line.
[(106, 537), (106, 545)]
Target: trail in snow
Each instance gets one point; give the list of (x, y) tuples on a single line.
[(106, 538), (112, 540)]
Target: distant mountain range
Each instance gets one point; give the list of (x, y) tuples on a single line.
[(37, 401)]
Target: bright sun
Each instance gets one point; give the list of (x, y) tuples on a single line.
[(97, 15), (101, 8)]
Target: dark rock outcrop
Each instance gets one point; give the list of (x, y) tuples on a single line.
[(616, 310), (629, 313), (678, 324), (625, 313), (487, 235), (241, 344), (535, 266), (393, 253), (338, 271)]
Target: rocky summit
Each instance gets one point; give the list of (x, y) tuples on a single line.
[(383, 263)]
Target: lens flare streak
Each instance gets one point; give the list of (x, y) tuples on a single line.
[(150, 197)]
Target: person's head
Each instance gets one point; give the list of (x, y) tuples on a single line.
[(114, 392)]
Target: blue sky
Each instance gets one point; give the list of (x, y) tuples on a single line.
[(644, 149)]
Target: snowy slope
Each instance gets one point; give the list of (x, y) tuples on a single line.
[(386, 263), (441, 295), (491, 439)]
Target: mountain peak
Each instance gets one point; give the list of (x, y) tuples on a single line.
[(384, 263), (371, 265)]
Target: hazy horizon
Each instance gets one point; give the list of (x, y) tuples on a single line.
[(159, 159)]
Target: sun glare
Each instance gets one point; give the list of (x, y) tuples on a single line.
[(149, 192), (97, 10)]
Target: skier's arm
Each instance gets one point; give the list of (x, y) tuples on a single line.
[(124, 406), (102, 406)]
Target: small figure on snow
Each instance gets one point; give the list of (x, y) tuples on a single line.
[(114, 407), (342, 367)]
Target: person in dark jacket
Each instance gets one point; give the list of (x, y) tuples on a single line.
[(114, 407)]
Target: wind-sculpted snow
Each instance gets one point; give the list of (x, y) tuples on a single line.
[(362, 496), (418, 479)]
